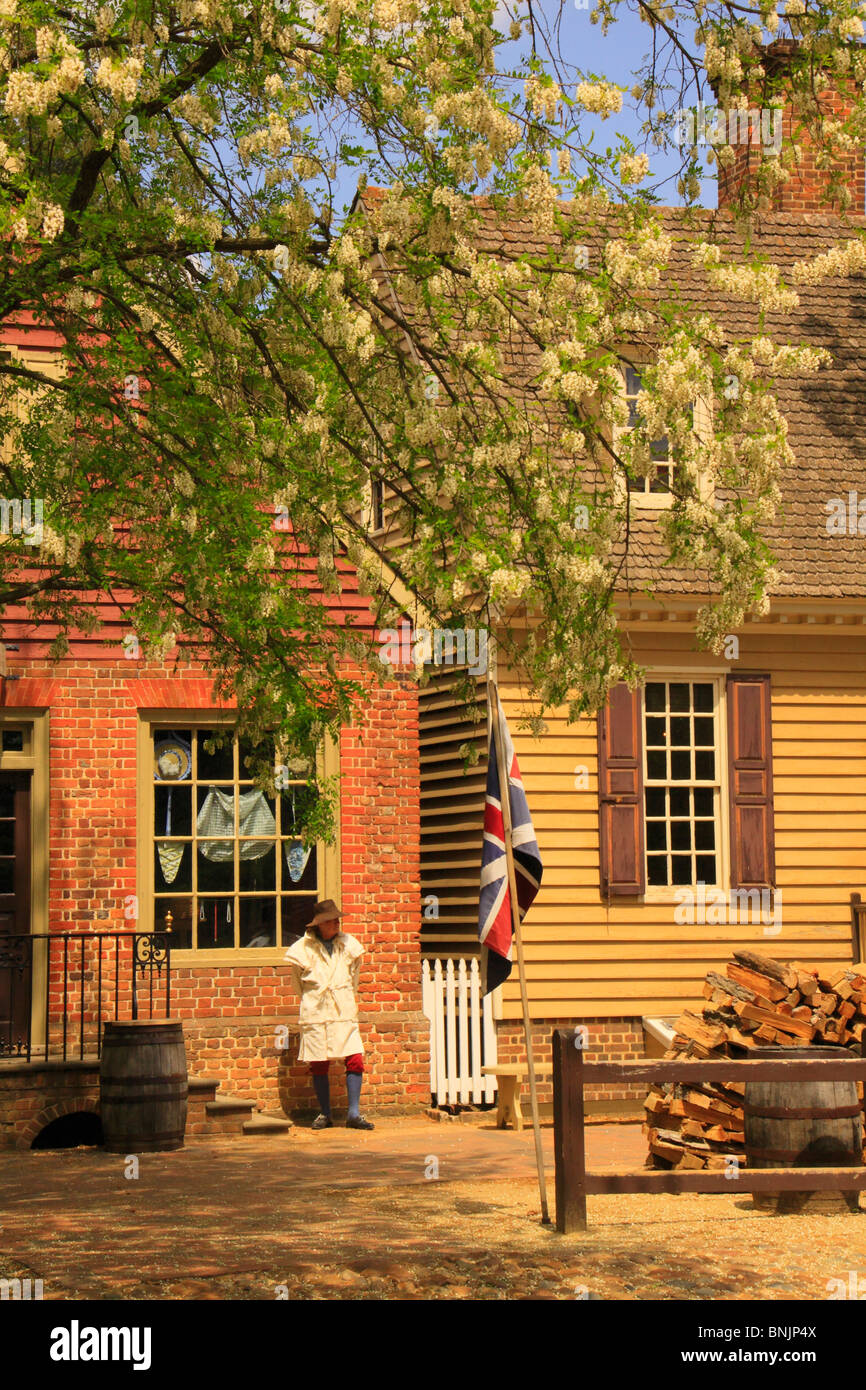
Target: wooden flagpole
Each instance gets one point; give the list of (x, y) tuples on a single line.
[(505, 802)]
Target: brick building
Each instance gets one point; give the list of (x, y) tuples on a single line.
[(117, 815)]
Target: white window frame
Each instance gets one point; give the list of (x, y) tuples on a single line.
[(716, 676), (656, 501)]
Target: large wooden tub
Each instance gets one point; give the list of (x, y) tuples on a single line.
[(143, 1086), (802, 1124)]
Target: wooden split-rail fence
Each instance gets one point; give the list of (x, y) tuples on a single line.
[(572, 1072)]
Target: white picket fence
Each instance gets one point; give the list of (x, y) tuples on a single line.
[(462, 1035)]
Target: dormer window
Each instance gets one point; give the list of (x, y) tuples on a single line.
[(657, 488), (660, 480)]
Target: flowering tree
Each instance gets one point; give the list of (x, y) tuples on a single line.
[(235, 366)]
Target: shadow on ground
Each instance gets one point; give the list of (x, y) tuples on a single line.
[(363, 1216)]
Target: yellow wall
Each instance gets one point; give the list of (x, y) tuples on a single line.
[(586, 958)]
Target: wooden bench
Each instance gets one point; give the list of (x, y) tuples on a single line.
[(509, 1076)]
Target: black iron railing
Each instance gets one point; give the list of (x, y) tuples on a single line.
[(57, 989)]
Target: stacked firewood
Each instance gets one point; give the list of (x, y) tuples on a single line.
[(758, 1002)]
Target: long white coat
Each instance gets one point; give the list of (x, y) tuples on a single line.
[(328, 985)]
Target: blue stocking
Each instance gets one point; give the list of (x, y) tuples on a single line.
[(353, 1091), (322, 1085)]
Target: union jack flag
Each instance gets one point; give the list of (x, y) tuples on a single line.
[(495, 924)]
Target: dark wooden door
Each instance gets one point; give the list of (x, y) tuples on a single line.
[(15, 959)]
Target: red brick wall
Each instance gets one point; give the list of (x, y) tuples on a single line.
[(806, 189), (232, 1013), (609, 1040), (31, 1097), (381, 872)]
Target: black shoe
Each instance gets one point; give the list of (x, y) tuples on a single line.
[(359, 1123), (323, 1122)]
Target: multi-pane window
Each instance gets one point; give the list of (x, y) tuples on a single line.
[(681, 782), (660, 478), (229, 863)]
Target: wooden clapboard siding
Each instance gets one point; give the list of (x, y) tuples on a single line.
[(589, 958), (452, 812)]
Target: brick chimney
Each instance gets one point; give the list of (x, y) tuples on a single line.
[(807, 187)]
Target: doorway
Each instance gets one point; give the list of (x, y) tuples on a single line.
[(15, 945)]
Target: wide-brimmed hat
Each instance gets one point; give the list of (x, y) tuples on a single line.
[(325, 911)]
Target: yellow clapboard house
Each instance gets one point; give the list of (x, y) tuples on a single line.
[(722, 804)]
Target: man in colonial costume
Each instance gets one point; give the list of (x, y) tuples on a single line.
[(325, 964)]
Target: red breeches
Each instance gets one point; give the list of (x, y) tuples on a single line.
[(355, 1063)]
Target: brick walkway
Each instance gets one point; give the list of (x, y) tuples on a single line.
[(345, 1214)]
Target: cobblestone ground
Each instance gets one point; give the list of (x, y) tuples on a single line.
[(348, 1215)]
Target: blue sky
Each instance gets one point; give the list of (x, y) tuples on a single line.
[(585, 51), (616, 56)]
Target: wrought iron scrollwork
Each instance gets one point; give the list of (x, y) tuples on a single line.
[(151, 951), (86, 978)]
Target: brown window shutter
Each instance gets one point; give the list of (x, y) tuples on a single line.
[(750, 753), (620, 794)]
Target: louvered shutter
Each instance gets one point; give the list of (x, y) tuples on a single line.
[(620, 794), (750, 776)]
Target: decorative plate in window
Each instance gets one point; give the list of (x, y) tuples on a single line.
[(172, 760)]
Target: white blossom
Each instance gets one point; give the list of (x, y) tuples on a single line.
[(602, 98)]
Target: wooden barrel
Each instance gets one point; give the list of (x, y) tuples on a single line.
[(143, 1086), (802, 1124)]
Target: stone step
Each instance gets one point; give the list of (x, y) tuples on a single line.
[(203, 1089), (225, 1117), (267, 1124), (216, 1109)]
